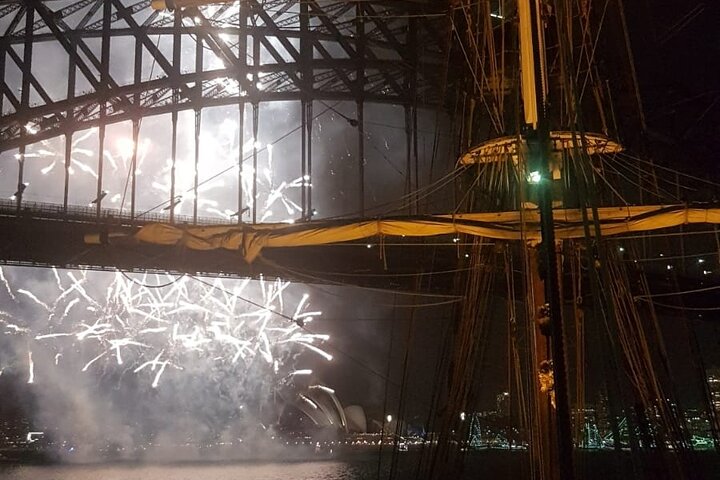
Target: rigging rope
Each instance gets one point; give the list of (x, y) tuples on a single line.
[(472, 325)]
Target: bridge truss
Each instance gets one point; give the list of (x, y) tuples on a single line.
[(123, 61)]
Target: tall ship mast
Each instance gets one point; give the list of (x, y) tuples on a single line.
[(541, 135)]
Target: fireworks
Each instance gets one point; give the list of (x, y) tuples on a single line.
[(31, 368), (149, 327), (216, 171), (79, 155)]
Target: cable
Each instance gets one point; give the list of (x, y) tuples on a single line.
[(678, 307), (670, 257), (496, 125), (660, 193), (668, 169), (122, 272), (420, 274), (591, 59), (303, 327), (683, 292), (409, 198), (644, 172), (452, 298), (610, 186), (669, 234), (244, 299)]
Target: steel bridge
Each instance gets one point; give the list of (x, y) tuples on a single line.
[(117, 61), (48, 235)]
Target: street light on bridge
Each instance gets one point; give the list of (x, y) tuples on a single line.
[(176, 201), (20, 190), (99, 198)]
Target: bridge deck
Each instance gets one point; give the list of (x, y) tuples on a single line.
[(46, 235)]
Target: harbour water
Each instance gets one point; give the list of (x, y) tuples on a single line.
[(487, 464), (365, 466), (360, 468), (323, 470)]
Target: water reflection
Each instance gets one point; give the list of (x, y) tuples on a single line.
[(275, 471)]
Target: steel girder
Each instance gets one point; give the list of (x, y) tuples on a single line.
[(291, 50)]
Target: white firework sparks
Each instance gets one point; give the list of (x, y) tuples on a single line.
[(31, 368), (7, 285), (277, 194), (142, 328)]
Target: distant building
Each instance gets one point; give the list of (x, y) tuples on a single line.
[(356, 419), (713, 379), (502, 404)]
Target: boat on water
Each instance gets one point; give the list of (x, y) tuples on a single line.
[(557, 211)]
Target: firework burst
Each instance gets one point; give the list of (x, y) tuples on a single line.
[(151, 324)]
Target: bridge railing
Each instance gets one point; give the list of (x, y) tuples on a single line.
[(89, 214)]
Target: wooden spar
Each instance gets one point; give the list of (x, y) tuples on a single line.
[(532, 54), (540, 441), (561, 428)]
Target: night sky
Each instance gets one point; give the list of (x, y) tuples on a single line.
[(677, 49)]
